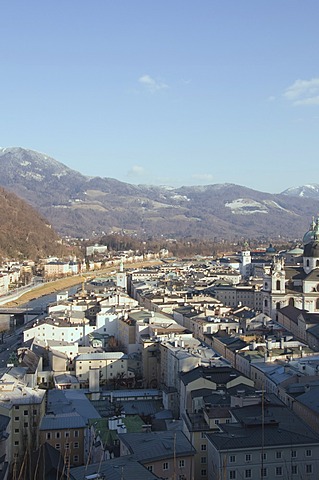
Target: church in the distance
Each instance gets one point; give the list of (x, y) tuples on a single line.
[(297, 286)]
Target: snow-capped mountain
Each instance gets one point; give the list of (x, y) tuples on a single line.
[(78, 205), (307, 191)]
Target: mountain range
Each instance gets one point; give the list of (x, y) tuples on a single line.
[(81, 206)]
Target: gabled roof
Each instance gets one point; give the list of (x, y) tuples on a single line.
[(218, 375), (123, 468), (62, 421), (46, 463), (280, 428), (155, 446), (292, 312)]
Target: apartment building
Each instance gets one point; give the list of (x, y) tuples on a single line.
[(65, 432)]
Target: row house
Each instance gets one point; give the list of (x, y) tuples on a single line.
[(25, 407), (263, 441), (65, 432)]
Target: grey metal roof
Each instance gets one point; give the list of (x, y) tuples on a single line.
[(123, 468), (235, 437), (278, 426), (141, 407), (219, 375), (310, 397), (62, 421), (153, 446), (64, 401), (101, 356)]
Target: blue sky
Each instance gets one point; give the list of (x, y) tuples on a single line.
[(172, 92)]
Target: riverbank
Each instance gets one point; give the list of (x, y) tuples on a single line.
[(68, 282)]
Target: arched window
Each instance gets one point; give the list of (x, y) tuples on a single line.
[(318, 287), (266, 284), (317, 304), (278, 285), (277, 305), (292, 302), (307, 262), (266, 302)]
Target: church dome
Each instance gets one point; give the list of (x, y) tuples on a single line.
[(270, 249), (312, 249), (310, 235), (311, 240)]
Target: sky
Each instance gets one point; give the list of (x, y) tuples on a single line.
[(165, 92)]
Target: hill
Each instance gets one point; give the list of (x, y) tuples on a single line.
[(78, 205), (24, 233)]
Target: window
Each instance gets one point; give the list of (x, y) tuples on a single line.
[(278, 471), (278, 285), (203, 460), (248, 474), (165, 466), (291, 302), (293, 453), (16, 407), (263, 456), (263, 472), (203, 447), (308, 453), (66, 434), (57, 434), (25, 412), (76, 433), (48, 435), (16, 430), (75, 458), (76, 444), (181, 463), (232, 458), (16, 419), (294, 469), (278, 454), (216, 421), (26, 424), (150, 468), (203, 472), (248, 457), (232, 474), (57, 446), (16, 443), (203, 435), (309, 468), (67, 446)]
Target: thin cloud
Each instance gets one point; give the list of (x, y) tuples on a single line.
[(136, 171), (151, 84), (303, 92), (203, 177)]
